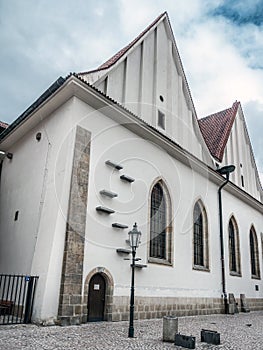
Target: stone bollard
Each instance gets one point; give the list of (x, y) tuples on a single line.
[(244, 304), (170, 328), (232, 300), (230, 309)]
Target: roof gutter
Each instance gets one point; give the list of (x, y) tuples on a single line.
[(57, 84)]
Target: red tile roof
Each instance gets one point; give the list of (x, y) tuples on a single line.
[(3, 126), (111, 61), (216, 129)]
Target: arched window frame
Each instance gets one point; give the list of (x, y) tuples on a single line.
[(234, 248), (200, 238), (154, 253), (254, 254)]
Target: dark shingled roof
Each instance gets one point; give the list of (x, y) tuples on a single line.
[(216, 129)]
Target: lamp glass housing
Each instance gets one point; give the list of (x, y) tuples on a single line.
[(134, 237)]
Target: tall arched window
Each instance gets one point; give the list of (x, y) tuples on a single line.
[(160, 223), (234, 250), (200, 237), (254, 258)]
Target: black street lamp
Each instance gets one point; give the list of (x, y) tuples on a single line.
[(226, 170), (134, 240)]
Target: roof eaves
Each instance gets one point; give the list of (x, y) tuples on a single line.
[(55, 86)]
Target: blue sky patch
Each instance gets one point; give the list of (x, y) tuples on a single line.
[(241, 12)]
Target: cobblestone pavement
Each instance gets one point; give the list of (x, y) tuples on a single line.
[(239, 331)]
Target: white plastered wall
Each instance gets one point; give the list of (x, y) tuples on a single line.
[(145, 162)]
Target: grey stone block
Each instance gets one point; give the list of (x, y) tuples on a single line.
[(244, 303), (170, 328), (230, 309)]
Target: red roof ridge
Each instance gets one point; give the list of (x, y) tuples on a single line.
[(216, 129), (3, 125), (111, 61)]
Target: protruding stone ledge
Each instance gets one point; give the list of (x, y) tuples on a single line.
[(127, 178), (123, 251), (108, 193), (140, 266), (118, 225), (113, 165), (105, 210)]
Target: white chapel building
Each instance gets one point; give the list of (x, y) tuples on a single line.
[(103, 149)]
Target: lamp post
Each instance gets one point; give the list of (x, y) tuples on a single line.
[(226, 170), (134, 240)]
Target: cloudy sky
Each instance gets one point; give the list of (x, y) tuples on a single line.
[(220, 43)]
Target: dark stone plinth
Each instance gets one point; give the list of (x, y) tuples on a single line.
[(210, 337), (185, 341)]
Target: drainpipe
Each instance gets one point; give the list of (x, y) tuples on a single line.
[(222, 244), (226, 170)]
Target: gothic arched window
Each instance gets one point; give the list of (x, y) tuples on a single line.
[(160, 223), (254, 258), (200, 237), (234, 250)]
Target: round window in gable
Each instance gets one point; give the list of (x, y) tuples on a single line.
[(161, 98)]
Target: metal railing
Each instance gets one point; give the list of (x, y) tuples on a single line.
[(17, 293)]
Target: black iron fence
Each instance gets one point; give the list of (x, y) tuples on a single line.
[(17, 294)]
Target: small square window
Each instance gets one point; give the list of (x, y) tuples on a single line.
[(161, 120)]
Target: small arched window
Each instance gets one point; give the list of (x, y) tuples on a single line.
[(254, 258), (234, 250), (200, 237), (160, 223)]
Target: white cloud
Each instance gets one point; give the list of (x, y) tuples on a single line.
[(218, 74)]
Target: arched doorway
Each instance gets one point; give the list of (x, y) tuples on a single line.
[(96, 298)]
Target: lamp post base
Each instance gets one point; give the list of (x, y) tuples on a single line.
[(131, 333)]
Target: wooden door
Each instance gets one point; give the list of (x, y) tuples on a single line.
[(96, 298)]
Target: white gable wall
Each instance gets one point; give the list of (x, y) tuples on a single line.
[(238, 152), (149, 73)]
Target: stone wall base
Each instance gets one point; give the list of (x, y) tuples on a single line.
[(254, 304), (155, 307)]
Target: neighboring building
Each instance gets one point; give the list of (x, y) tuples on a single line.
[(65, 211)]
